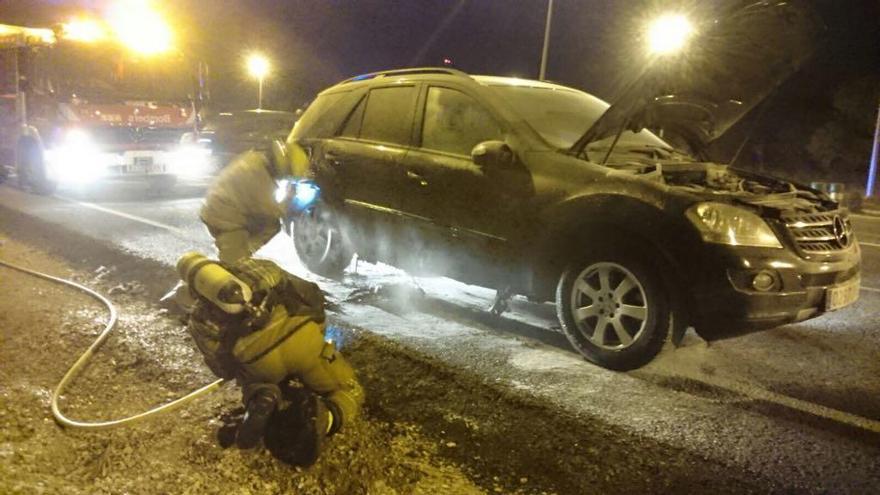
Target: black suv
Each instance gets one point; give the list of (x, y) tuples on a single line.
[(539, 189)]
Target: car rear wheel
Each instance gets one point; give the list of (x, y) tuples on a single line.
[(613, 309), (319, 242)]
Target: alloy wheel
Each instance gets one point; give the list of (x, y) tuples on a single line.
[(609, 306), (315, 235)]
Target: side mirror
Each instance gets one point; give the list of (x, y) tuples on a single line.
[(492, 154)]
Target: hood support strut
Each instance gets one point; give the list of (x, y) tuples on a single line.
[(614, 143)]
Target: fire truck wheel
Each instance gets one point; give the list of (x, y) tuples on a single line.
[(32, 171)]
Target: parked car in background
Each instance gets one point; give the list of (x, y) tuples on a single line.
[(228, 134), (543, 190)]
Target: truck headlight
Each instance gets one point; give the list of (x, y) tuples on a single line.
[(726, 224), (190, 161), (76, 158)]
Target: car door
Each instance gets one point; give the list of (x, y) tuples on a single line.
[(467, 212), (365, 158)]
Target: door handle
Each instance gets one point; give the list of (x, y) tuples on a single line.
[(416, 178), (331, 157)]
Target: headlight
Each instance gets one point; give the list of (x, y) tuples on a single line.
[(190, 161), (726, 224), (77, 159)]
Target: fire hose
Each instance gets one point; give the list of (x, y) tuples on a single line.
[(87, 355)]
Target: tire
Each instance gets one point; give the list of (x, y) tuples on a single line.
[(613, 309), (32, 171), (319, 243)]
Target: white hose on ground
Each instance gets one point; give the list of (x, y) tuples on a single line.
[(77, 366)]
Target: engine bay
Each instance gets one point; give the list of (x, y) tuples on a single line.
[(712, 179)]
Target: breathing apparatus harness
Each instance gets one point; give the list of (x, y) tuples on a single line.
[(230, 306)]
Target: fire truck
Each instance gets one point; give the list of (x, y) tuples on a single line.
[(74, 112)]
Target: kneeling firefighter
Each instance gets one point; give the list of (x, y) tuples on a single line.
[(262, 326)]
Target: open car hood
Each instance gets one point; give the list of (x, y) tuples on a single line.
[(729, 66)]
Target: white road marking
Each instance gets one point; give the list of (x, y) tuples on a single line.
[(870, 289), (870, 244), (128, 216)]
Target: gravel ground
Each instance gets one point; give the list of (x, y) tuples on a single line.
[(427, 428), (148, 362)]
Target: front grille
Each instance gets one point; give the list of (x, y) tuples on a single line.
[(160, 135), (820, 233), (129, 137)]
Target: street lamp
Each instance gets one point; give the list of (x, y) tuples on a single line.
[(258, 66), (669, 34)]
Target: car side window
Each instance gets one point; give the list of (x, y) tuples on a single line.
[(353, 125), (455, 122), (387, 117)]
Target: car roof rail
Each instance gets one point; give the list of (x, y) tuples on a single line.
[(406, 72)]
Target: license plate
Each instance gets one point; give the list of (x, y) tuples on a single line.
[(145, 165), (842, 295)]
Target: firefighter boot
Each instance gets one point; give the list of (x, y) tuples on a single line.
[(260, 407), (296, 434)]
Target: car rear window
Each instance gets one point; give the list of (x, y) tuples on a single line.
[(353, 125), (323, 117), (388, 116)]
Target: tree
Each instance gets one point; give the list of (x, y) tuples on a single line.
[(842, 146)]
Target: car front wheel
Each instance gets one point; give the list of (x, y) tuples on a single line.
[(319, 243), (613, 309)]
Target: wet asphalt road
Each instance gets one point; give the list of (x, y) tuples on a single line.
[(798, 404)]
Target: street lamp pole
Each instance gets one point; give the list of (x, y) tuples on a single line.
[(543, 72), (258, 66)]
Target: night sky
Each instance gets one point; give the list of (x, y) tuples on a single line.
[(315, 43)]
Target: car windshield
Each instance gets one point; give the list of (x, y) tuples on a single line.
[(561, 116)]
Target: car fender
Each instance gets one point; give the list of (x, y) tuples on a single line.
[(643, 224)]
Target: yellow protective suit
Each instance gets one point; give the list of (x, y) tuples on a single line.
[(240, 210), (289, 344), (295, 347)]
